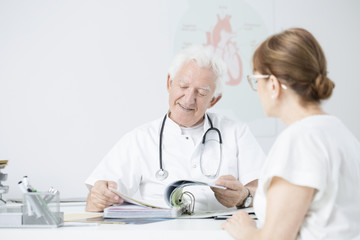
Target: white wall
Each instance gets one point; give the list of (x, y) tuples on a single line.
[(76, 75), (336, 25)]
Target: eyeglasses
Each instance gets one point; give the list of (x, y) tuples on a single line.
[(253, 80)]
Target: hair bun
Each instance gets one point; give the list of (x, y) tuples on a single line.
[(323, 87)]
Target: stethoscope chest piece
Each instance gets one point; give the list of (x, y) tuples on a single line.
[(161, 174)]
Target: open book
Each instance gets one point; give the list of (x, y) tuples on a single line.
[(180, 203)]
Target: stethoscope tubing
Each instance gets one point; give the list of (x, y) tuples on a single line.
[(160, 142), (162, 174)]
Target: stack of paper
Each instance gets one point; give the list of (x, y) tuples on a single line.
[(3, 162), (10, 216), (129, 210)]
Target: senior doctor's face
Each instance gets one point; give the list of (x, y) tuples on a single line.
[(191, 93)]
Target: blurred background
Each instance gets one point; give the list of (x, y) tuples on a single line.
[(76, 75)]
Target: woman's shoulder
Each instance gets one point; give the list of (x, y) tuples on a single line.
[(312, 125)]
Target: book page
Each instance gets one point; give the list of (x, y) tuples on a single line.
[(173, 193), (132, 200)]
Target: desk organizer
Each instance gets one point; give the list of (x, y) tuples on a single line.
[(39, 210)]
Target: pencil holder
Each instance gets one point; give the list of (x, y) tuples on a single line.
[(42, 209)]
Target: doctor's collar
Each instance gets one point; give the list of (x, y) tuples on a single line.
[(171, 124)]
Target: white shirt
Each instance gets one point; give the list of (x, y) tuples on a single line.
[(321, 153), (194, 132), (134, 160)]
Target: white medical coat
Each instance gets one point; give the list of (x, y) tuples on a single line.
[(134, 160)]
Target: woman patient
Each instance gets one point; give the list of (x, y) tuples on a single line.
[(309, 185)]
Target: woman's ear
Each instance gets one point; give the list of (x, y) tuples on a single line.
[(274, 86)]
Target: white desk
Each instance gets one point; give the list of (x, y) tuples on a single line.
[(172, 229)]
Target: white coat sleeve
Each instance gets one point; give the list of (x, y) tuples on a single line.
[(119, 165)]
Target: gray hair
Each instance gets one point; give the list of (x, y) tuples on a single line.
[(204, 58)]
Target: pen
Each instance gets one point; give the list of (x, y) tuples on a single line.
[(22, 187), (224, 217), (27, 184), (52, 191), (25, 190)]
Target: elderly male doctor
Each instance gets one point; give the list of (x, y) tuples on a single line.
[(134, 166)]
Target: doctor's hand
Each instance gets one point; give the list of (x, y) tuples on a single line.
[(101, 196), (234, 194)]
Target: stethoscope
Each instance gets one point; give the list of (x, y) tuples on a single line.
[(162, 173)]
